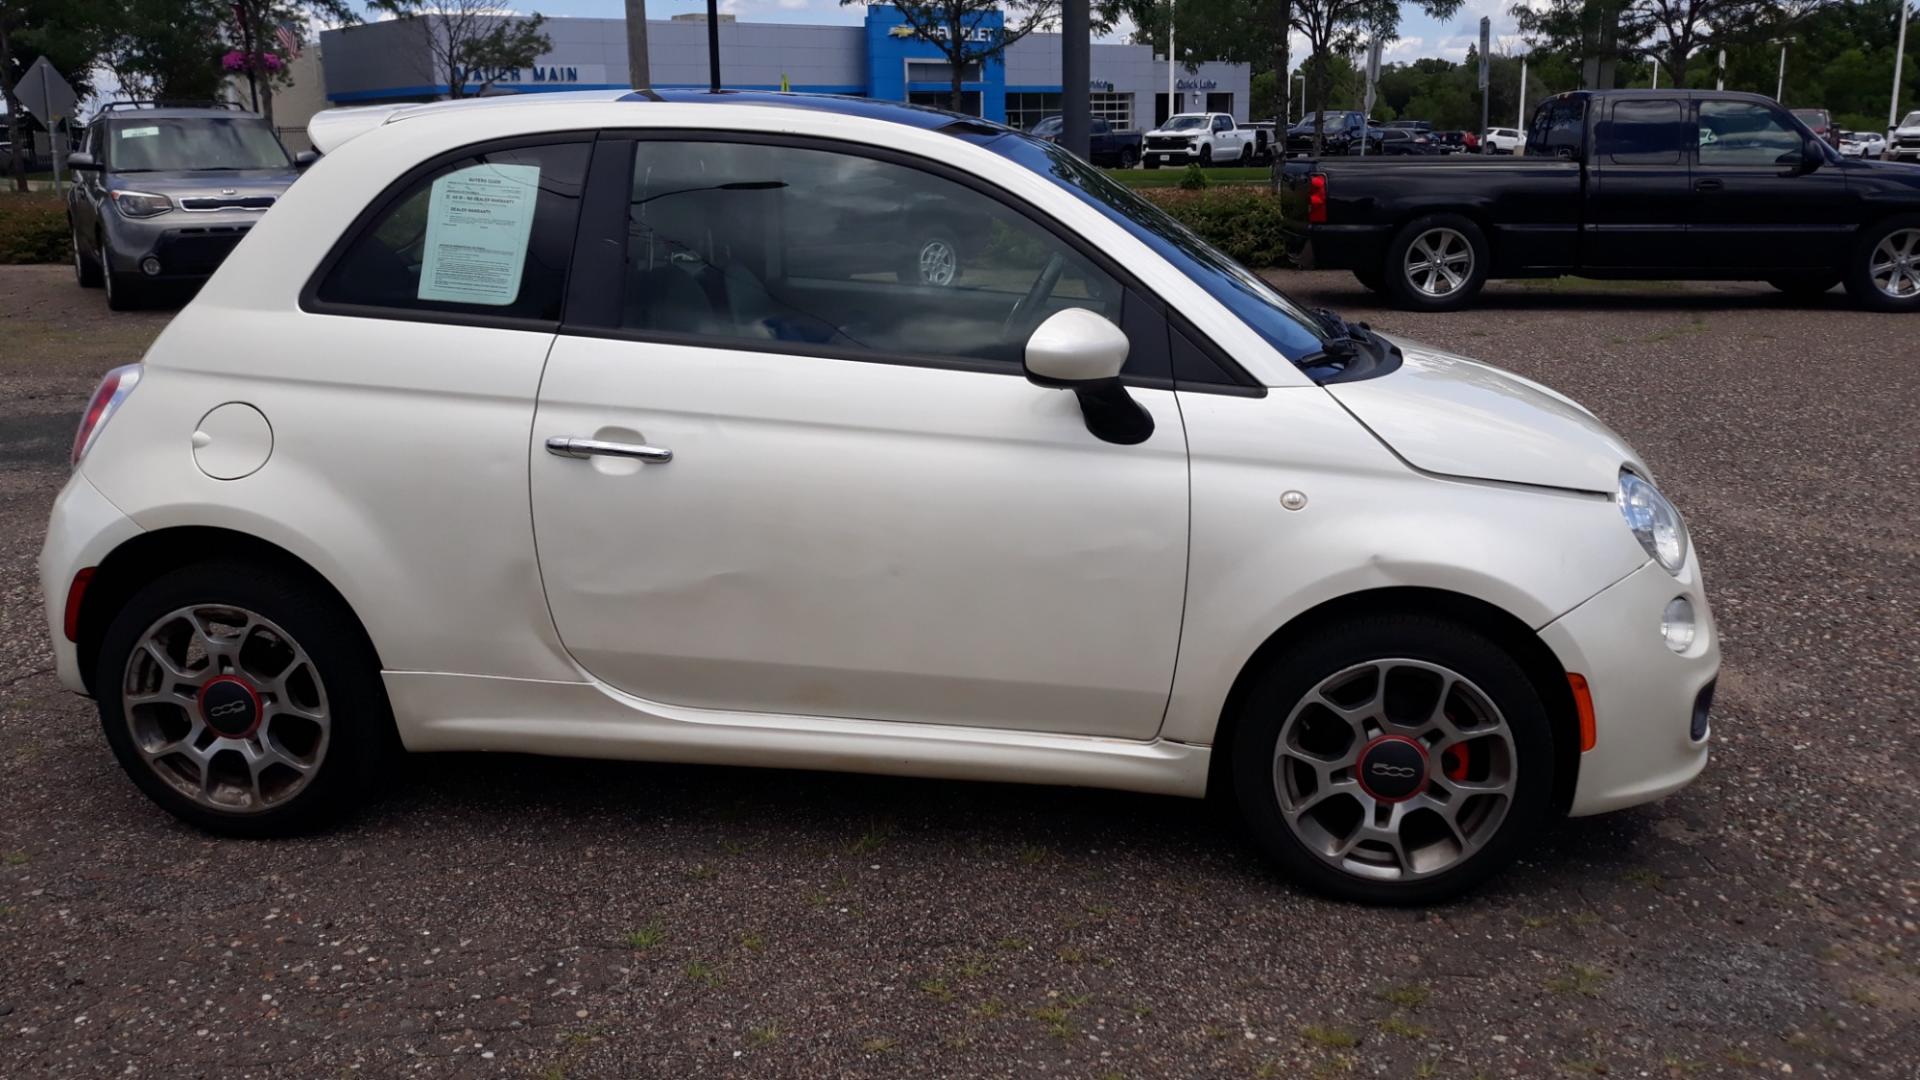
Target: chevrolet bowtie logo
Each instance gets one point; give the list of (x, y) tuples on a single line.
[(900, 31)]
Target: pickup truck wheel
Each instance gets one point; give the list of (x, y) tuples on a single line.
[(1883, 273), (1206, 155), (1246, 155), (1436, 263), (1153, 162), (1128, 157)]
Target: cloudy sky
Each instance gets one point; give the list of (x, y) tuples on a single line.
[(1419, 35)]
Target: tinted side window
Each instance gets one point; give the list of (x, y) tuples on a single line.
[(487, 234), (1559, 130), (1221, 123), (1643, 133), (750, 244), (1742, 133)]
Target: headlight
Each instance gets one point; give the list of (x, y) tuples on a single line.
[(139, 204), (1654, 521)]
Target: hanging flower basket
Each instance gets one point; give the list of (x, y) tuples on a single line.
[(240, 61)]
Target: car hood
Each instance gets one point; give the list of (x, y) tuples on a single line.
[(1449, 415), (188, 182)]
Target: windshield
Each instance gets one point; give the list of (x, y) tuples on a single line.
[(1050, 126), (1285, 325), (1912, 120), (1813, 118), (1184, 123), (199, 144)]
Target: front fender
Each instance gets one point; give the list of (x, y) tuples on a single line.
[(1369, 523)]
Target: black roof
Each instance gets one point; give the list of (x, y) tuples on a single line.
[(893, 112)]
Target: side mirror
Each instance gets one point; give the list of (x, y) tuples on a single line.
[(1810, 156), (1078, 350), (305, 158), (81, 162)]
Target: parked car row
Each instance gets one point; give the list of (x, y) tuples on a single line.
[(1621, 184)]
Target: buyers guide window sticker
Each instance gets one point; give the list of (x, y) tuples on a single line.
[(139, 132), (478, 221)]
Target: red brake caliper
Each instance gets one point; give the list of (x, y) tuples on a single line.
[(1454, 761)]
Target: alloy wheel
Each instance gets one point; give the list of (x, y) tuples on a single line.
[(225, 707), (938, 262), (1395, 769), (1439, 262), (1895, 266), (79, 268)]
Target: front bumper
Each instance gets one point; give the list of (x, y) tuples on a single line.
[(82, 531), (1644, 694), (189, 245)]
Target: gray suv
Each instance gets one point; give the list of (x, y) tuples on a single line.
[(162, 193)]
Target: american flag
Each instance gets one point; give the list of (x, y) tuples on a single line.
[(289, 38)]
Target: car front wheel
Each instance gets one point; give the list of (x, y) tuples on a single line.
[(1883, 271), (1394, 759), (241, 700)]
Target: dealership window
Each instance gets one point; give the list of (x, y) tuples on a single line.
[(1026, 110), (771, 247), (487, 234), (1115, 109), (926, 71), (942, 99), (1220, 103)]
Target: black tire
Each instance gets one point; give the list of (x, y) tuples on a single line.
[(125, 292), (1246, 155), (1371, 280), (1206, 155), (1858, 274), (1807, 286), (1406, 293), (1129, 157), (86, 271), (1422, 638), (347, 674)]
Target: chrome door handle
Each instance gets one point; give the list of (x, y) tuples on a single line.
[(568, 446)]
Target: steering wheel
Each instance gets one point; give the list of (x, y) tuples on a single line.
[(1021, 319)]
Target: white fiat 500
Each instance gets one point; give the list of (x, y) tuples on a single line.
[(805, 432)]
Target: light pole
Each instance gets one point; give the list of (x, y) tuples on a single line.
[(1780, 86), (1899, 58), (1656, 72), (1521, 121), (1720, 72), (1302, 96), (1171, 107), (639, 73)]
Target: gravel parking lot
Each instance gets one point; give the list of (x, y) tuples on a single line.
[(549, 918)]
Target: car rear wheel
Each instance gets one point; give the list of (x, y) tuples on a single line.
[(1436, 263), (1394, 759), (85, 270), (1128, 157), (241, 700), (1883, 272), (1246, 155)]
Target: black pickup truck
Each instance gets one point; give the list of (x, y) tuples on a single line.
[(1644, 184)]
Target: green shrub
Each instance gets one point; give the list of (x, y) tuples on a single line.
[(33, 228), (1243, 222), (1193, 179)]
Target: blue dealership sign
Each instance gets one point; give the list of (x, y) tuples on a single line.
[(900, 60)]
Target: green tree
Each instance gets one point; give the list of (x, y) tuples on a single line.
[(254, 27), (163, 49), (461, 37)]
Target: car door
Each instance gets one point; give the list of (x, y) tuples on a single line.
[(1757, 207), (1639, 186), (868, 512)]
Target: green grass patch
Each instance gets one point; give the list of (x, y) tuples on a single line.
[(1332, 1038)]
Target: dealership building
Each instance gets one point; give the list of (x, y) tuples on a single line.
[(880, 58)]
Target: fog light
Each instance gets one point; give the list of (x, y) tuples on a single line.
[(1676, 624), (150, 266)]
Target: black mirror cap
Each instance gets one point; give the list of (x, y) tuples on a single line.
[(80, 162)]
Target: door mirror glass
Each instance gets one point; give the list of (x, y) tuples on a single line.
[(1073, 347), (81, 162)]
